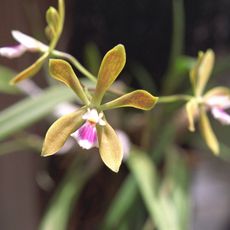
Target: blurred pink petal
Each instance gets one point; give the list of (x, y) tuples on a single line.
[(12, 51), (221, 116)]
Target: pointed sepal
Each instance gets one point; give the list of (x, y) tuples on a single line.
[(139, 99), (111, 66), (109, 147), (30, 71), (202, 70), (62, 71), (208, 133), (60, 130), (192, 111)]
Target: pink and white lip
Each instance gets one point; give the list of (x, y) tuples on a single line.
[(218, 104), (26, 43), (86, 135)]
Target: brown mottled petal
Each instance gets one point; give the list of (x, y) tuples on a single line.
[(139, 99), (109, 147), (111, 66), (208, 133), (60, 130), (62, 71)]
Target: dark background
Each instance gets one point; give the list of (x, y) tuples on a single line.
[(145, 28)]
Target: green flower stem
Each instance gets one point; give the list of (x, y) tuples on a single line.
[(76, 63), (174, 98)]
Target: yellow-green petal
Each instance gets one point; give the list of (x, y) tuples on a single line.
[(208, 133), (139, 99), (31, 70), (217, 91), (62, 71), (201, 72), (60, 130), (192, 110), (111, 66), (109, 147), (194, 71), (205, 70)]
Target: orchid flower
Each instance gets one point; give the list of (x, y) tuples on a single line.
[(88, 124), (215, 100), (55, 21)]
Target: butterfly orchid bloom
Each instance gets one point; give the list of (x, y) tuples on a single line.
[(88, 124), (216, 100)]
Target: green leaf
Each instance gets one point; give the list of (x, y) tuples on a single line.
[(92, 57), (111, 66), (30, 110), (62, 71), (121, 204), (62, 203), (176, 184), (60, 130), (109, 147), (139, 99), (143, 77), (208, 133), (6, 75), (158, 205), (144, 173)]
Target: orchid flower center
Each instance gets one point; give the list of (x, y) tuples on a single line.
[(86, 135), (93, 117)]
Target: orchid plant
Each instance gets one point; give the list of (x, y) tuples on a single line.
[(88, 124), (96, 131), (217, 100)]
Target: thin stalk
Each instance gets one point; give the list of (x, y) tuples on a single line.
[(171, 81), (174, 98), (76, 63)]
